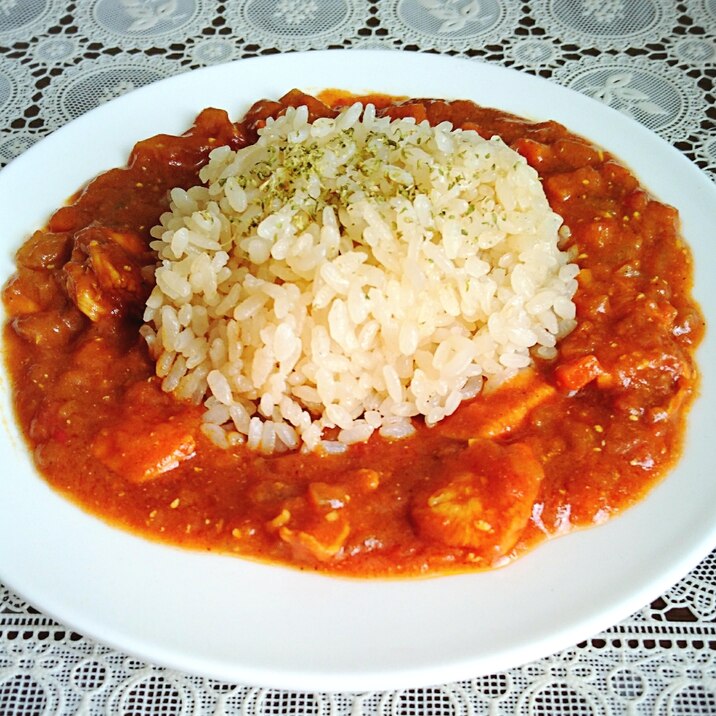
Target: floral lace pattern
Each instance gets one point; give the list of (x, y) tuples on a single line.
[(97, 82), (659, 96), (654, 60), (449, 24), (23, 18), (610, 24), (298, 24), (145, 22)]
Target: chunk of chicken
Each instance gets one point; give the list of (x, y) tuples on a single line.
[(315, 526), (312, 534), (44, 250), (29, 291), (317, 523), (482, 499), (104, 273), (323, 542), (501, 412)]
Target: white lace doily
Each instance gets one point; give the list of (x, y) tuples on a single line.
[(143, 24), (652, 59), (449, 25), (97, 81), (606, 24), (660, 96), (296, 24)]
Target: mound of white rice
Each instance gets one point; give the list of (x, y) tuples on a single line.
[(352, 273)]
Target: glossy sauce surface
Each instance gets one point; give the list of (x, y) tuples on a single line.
[(563, 446)]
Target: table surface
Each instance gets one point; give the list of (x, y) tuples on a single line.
[(652, 59)]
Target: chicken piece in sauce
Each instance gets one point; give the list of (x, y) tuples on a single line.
[(481, 499), (104, 274)]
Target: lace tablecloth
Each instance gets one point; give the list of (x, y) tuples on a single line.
[(652, 59)]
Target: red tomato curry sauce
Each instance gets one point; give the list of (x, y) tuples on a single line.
[(564, 445)]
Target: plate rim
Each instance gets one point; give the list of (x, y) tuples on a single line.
[(305, 674)]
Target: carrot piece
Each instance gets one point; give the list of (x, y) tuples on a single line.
[(316, 108), (474, 127), (575, 374), (416, 110), (141, 450), (337, 98)]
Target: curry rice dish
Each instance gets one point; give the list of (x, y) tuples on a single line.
[(360, 335)]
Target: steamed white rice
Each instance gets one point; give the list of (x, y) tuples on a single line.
[(353, 273)]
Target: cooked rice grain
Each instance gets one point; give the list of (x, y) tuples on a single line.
[(353, 273)]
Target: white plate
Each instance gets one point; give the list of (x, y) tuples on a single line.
[(264, 625)]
